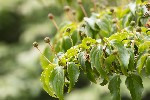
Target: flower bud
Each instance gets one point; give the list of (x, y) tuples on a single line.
[(114, 21), (67, 8), (68, 30), (79, 2), (138, 29), (74, 12), (50, 16), (35, 44), (132, 23), (112, 10), (47, 40)]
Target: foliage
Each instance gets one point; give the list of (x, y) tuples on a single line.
[(107, 45)]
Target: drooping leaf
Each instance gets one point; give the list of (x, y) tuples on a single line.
[(123, 55), (57, 81), (89, 72), (73, 74), (148, 66), (104, 82), (141, 63), (98, 62), (131, 65), (135, 86), (74, 37), (92, 56), (114, 87), (81, 59), (45, 79)]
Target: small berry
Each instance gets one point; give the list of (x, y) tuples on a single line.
[(88, 43), (138, 29), (148, 6), (83, 25), (132, 23), (67, 8), (112, 10), (79, 2), (114, 21), (50, 16), (47, 40), (74, 12), (35, 44), (146, 14), (68, 30), (114, 52), (83, 34)]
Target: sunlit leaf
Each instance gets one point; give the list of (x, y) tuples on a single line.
[(66, 43), (141, 62), (114, 87), (123, 55), (144, 46), (45, 80), (81, 59), (89, 72), (49, 54), (135, 86), (57, 81), (73, 74), (148, 65)]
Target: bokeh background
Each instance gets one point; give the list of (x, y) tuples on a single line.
[(21, 23)]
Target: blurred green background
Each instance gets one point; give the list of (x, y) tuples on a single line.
[(21, 23)]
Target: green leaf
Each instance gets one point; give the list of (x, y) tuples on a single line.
[(131, 65), (104, 82), (74, 37), (92, 56), (71, 26), (132, 7), (138, 1), (57, 81), (48, 53), (89, 72), (108, 61), (119, 36), (114, 87), (135, 86), (148, 65), (127, 19), (98, 63), (45, 79), (81, 59), (105, 26), (144, 46), (66, 43), (123, 55), (73, 74), (141, 62), (87, 42), (92, 23)]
